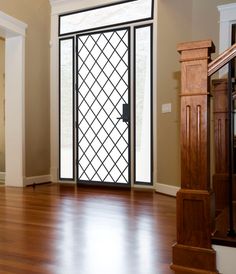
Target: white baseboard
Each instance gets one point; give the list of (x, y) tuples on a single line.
[(2, 176), (37, 180), (142, 186), (54, 174), (167, 189), (225, 259)]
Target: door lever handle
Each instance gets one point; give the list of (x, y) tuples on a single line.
[(125, 113)]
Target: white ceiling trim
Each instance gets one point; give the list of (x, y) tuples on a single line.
[(227, 12), (227, 6), (12, 26), (56, 2), (63, 6)]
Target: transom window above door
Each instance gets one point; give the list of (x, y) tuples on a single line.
[(110, 15)]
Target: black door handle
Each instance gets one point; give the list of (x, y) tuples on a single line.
[(125, 115)]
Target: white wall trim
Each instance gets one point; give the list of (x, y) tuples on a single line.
[(54, 174), (54, 106), (13, 31), (65, 6), (11, 26), (225, 259), (2, 176), (55, 2), (167, 189), (227, 7), (136, 186), (37, 180)]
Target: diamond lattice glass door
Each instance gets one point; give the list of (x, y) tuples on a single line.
[(103, 107)]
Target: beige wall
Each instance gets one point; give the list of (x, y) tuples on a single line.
[(206, 26), (178, 22), (174, 26), (2, 103), (190, 20), (37, 15), (206, 20)]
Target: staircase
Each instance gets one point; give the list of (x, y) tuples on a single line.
[(224, 164), (205, 212)]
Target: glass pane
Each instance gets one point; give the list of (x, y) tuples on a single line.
[(66, 109), (143, 90), (106, 16)]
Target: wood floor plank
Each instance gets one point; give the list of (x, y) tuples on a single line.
[(62, 229)]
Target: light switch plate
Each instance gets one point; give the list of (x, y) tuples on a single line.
[(165, 108)]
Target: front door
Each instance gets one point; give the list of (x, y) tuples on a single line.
[(103, 107)]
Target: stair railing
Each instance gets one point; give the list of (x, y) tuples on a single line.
[(193, 252)]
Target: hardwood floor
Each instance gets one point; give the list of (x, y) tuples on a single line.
[(61, 229)]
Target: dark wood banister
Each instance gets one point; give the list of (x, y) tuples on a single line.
[(222, 60), (193, 252)]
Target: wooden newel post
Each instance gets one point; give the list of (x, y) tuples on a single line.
[(195, 213)]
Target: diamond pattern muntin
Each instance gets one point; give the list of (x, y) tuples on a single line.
[(103, 87)]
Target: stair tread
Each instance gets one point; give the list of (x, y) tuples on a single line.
[(220, 236)]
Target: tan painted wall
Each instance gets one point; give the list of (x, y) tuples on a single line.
[(174, 26), (2, 111), (178, 22), (206, 20), (37, 15), (193, 19), (206, 26)]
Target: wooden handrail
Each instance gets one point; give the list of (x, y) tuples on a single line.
[(221, 60)]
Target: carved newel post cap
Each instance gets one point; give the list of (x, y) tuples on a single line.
[(196, 45)]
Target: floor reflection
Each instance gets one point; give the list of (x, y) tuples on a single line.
[(58, 229), (108, 235)]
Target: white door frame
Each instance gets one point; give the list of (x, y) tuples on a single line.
[(13, 31), (64, 6)]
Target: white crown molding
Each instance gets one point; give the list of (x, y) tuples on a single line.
[(60, 2), (12, 25), (226, 7), (56, 2), (63, 6), (227, 12)]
